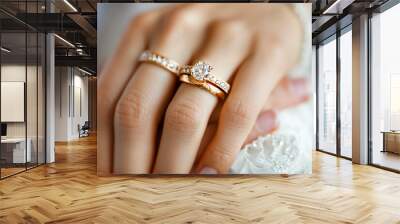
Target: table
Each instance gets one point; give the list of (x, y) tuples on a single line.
[(391, 141), (13, 150)]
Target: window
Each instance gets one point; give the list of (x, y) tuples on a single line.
[(22, 66), (327, 97), (385, 85), (346, 94), (14, 155)]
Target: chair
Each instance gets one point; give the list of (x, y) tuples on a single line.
[(84, 130)]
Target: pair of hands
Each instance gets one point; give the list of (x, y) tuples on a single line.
[(148, 122)]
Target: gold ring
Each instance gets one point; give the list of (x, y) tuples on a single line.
[(157, 59), (201, 72), (205, 85)]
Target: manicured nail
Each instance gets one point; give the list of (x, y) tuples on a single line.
[(208, 170), (299, 87), (266, 121)]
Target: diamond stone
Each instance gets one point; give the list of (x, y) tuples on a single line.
[(171, 65), (212, 78), (201, 70)]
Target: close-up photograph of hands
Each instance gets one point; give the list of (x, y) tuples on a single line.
[(156, 111), (205, 89)]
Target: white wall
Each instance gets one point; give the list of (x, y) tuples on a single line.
[(79, 117), (13, 100), (71, 93), (61, 103), (14, 73)]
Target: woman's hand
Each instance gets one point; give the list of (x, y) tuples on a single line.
[(250, 45), (288, 93)]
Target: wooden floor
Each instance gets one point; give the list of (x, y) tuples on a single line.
[(70, 192), (5, 172)]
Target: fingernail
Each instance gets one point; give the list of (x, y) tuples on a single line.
[(208, 170), (266, 121), (299, 87)]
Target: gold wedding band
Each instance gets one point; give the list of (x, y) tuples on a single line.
[(201, 72), (205, 85), (198, 74), (157, 59)]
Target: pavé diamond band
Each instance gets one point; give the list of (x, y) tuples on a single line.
[(201, 72), (205, 85), (157, 59)]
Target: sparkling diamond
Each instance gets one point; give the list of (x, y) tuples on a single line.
[(201, 70), (144, 56), (171, 65)]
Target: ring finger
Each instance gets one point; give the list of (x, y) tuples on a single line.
[(189, 111)]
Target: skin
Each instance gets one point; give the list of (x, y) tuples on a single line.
[(148, 122)]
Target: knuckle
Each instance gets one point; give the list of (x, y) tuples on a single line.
[(232, 28), (238, 114), (181, 19), (183, 116), (141, 20), (175, 25), (224, 156), (132, 110)]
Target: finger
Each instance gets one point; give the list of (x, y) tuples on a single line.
[(188, 114), (265, 124), (110, 87), (143, 102), (239, 113), (269, 124), (208, 135), (289, 92)]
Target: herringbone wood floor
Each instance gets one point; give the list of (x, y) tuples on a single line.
[(70, 192)]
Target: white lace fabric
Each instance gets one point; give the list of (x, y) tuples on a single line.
[(286, 151)]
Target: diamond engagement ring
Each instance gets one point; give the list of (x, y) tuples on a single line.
[(157, 59), (201, 73)]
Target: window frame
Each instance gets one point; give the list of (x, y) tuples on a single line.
[(334, 37)]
